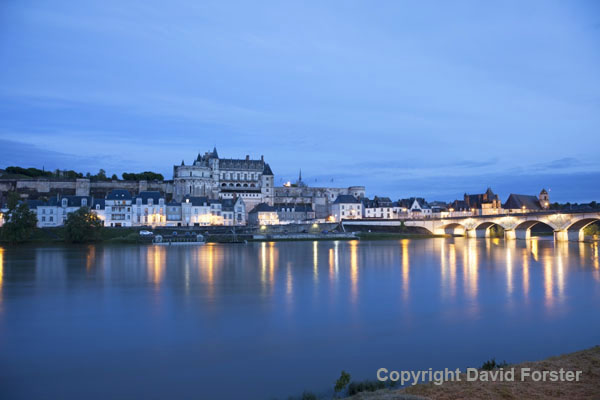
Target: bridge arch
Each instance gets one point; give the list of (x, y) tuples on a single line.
[(524, 229), (453, 228), (487, 229), (575, 230)]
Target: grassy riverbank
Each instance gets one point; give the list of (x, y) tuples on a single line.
[(131, 236), (587, 361), (392, 235)]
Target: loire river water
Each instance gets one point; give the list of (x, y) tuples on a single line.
[(268, 320)]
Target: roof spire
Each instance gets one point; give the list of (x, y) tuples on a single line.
[(300, 176)]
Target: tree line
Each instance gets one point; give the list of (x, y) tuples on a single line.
[(70, 174)]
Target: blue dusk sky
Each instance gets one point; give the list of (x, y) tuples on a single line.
[(431, 99)]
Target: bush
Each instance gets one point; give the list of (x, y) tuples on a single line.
[(491, 364), (342, 381), (19, 221), (308, 396), (82, 225)]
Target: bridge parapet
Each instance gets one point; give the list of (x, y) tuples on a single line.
[(567, 226)]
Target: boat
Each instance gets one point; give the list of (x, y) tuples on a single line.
[(176, 240)]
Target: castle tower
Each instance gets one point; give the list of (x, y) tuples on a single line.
[(544, 199)]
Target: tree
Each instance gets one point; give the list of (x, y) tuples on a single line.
[(19, 221), (592, 230), (101, 175), (82, 225), (142, 176), (342, 382), (114, 177)]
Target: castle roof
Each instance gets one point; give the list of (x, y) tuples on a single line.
[(118, 194), (263, 207), (346, 199), (197, 201), (515, 201), (146, 195), (267, 170)]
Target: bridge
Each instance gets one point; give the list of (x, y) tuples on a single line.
[(567, 226)]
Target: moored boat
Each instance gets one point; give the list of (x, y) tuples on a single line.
[(175, 240)]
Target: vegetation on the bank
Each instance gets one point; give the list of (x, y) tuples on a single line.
[(492, 364), (496, 231), (587, 361), (142, 176), (19, 221), (592, 230), (342, 382), (15, 172), (82, 226), (593, 205)]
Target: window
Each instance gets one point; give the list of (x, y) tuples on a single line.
[(51, 218), (43, 219)]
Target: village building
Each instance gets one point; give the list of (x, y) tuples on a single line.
[(346, 206), (118, 208), (263, 214)]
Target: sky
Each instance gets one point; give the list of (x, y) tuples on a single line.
[(430, 99)]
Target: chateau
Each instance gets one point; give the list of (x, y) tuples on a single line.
[(222, 178)]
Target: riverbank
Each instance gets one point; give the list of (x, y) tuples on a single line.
[(587, 361), (132, 235)]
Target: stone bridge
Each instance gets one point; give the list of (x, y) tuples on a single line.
[(567, 226)]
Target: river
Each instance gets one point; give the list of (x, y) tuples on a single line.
[(269, 320)]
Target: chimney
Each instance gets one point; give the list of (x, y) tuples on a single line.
[(247, 157), (262, 158)]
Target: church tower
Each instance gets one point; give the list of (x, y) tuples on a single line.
[(544, 199)]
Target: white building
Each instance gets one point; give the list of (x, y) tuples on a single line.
[(149, 208), (346, 207), (419, 209), (174, 213), (118, 208), (379, 207), (234, 211), (55, 211)]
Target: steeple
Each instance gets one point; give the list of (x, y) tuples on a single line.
[(214, 152), (300, 176)]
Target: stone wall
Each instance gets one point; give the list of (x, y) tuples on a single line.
[(33, 188)]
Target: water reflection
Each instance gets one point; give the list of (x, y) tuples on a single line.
[(405, 267), (156, 261), (354, 268), (525, 262), (1, 274), (510, 244), (548, 279), (214, 297), (452, 261), (316, 261), (472, 269)]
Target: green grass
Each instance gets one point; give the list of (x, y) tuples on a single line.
[(393, 235)]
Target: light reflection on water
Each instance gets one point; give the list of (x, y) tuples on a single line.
[(184, 319)]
